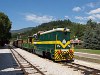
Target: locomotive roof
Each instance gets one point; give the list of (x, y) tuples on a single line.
[(57, 29)]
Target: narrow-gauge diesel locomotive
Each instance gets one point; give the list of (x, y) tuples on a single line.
[(53, 44)]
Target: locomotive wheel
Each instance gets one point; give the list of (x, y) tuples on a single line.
[(48, 55), (43, 54), (33, 51)]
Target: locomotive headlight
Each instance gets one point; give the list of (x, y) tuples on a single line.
[(58, 46), (64, 41), (68, 45)]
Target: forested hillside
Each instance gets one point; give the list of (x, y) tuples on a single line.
[(76, 28), (21, 30)]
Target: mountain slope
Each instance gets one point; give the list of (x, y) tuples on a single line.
[(22, 30)]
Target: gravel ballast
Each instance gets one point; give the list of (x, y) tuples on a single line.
[(48, 66), (88, 64)]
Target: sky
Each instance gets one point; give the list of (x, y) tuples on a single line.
[(31, 13)]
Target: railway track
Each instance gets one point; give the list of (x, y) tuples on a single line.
[(84, 69), (29, 69), (26, 66)]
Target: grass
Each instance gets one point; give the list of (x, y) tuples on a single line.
[(88, 51), (87, 59)]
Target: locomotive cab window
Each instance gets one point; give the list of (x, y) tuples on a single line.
[(63, 35), (67, 35)]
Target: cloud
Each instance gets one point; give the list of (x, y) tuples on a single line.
[(95, 11), (90, 17), (98, 21), (38, 18), (94, 14), (97, 16), (81, 22), (66, 17), (91, 4), (93, 17), (79, 17), (76, 9), (85, 18)]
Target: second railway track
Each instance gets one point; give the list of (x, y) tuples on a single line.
[(25, 65), (85, 70)]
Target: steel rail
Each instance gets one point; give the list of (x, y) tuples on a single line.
[(85, 70), (23, 67)]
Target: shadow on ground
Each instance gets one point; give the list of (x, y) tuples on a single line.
[(8, 63), (6, 47)]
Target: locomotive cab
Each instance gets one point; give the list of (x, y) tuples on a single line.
[(63, 50)]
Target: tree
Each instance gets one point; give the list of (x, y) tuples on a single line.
[(91, 24), (87, 38), (5, 26), (92, 35), (96, 38)]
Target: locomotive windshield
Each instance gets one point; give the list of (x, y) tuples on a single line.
[(63, 35)]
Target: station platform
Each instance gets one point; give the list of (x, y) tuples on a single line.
[(8, 65)]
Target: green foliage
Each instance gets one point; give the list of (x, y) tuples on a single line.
[(87, 38), (5, 26), (76, 28), (96, 38), (92, 35), (91, 24)]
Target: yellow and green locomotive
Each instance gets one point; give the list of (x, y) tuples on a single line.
[(53, 44)]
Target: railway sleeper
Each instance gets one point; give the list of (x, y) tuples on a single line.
[(30, 70), (23, 62), (85, 70), (26, 66), (96, 72)]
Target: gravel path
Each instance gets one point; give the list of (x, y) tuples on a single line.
[(8, 65), (88, 64), (48, 65), (87, 55)]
